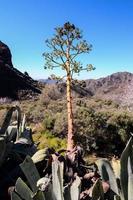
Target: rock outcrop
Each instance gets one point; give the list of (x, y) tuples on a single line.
[(5, 55), (12, 81)]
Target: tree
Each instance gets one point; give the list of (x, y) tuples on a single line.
[(65, 46)]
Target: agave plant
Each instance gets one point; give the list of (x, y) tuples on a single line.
[(15, 143), (40, 190), (53, 185), (121, 188)]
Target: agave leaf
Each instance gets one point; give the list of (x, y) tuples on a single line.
[(117, 197), (97, 191), (23, 123), (44, 185), (15, 196), (31, 173), (8, 119), (48, 193), (128, 152), (130, 180), (57, 180), (67, 195), (23, 190), (39, 155), (75, 189), (11, 132), (3, 132), (2, 149), (18, 121), (107, 174), (39, 196)]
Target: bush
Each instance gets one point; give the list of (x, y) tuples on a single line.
[(47, 139), (48, 122)]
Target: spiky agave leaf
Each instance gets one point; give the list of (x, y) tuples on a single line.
[(97, 191), (126, 154), (31, 173), (75, 189), (57, 180), (15, 196), (23, 190), (130, 180), (107, 174)]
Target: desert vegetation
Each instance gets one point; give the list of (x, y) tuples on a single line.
[(100, 125), (55, 172), (47, 151)]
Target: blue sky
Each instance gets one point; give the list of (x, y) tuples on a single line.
[(106, 24)]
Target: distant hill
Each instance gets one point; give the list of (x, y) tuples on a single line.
[(47, 81), (117, 87)]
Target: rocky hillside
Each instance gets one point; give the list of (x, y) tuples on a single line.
[(13, 83), (117, 87)]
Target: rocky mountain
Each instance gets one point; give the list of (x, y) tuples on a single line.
[(5, 55), (13, 83), (117, 87), (46, 81)]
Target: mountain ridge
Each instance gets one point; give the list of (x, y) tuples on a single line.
[(117, 87)]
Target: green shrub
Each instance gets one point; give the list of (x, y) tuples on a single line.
[(47, 139), (48, 122)]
